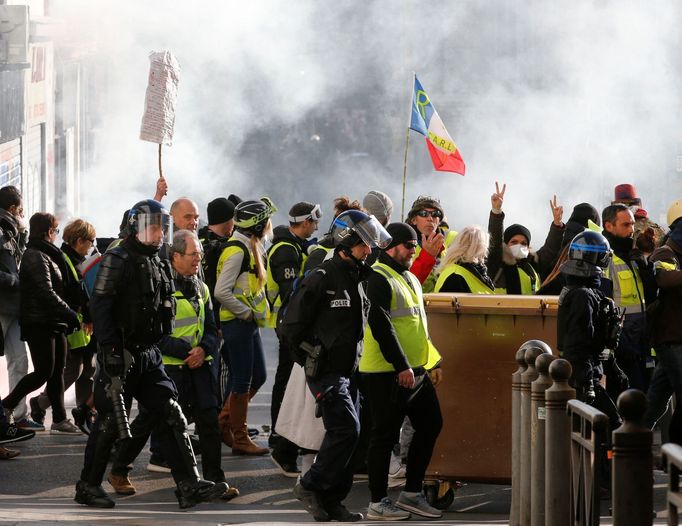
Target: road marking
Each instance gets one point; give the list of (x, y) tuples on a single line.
[(460, 510)]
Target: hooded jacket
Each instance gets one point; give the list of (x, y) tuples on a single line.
[(12, 246), (286, 261)]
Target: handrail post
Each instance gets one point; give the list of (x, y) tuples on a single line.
[(558, 446), (514, 516), (533, 349), (632, 467), (537, 439), (672, 459)]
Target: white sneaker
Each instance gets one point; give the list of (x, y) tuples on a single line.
[(386, 511), (65, 427)]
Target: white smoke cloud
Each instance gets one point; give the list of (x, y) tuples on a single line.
[(551, 98)]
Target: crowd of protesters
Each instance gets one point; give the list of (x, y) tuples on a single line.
[(284, 278)]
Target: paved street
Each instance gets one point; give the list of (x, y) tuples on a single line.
[(38, 487)]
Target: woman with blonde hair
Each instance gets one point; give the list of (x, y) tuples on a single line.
[(240, 289), (463, 268)]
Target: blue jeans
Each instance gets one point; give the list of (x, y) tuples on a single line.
[(245, 355), (666, 380)]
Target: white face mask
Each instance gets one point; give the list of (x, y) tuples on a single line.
[(519, 251)]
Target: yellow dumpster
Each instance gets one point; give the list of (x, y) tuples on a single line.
[(478, 336)]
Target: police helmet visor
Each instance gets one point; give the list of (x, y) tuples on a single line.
[(369, 230), (154, 229)]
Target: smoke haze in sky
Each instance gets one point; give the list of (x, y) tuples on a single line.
[(309, 100)]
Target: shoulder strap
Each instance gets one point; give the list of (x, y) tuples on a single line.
[(246, 261)]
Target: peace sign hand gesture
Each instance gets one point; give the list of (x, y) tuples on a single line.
[(497, 198), (557, 212)]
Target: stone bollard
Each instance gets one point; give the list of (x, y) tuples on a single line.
[(632, 468), (558, 446), (533, 349), (514, 517), (537, 439)]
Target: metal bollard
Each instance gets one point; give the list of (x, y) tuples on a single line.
[(533, 349), (537, 439), (632, 469), (558, 446), (514, 517)]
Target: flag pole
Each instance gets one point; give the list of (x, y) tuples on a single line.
[(407, 145)]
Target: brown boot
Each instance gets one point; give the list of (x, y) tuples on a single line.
[(224, 423), (242, 443), (121, 484)]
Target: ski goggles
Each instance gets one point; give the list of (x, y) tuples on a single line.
[(314, 215)]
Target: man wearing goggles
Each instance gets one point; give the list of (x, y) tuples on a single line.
[(286, 258)]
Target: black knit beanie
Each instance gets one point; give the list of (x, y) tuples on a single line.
[(584, 212), (219, 211), (400, 233), (513, 230)]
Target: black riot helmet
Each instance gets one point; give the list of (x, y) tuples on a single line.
[(353, 227), (588, 254), (151, 223), (252, 216)]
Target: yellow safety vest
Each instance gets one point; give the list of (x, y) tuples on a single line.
[(527, 286), (628, 289), (476, 286), (409, 321), (246, 288), (189, 324), (79, 338), (430, 282), (272, 287)]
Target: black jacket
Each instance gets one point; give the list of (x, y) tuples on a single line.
[(330, 308), (285, 263), (12, 245), (75, 293), (212, 245), (43, 293), (577, 323), (379, 293)]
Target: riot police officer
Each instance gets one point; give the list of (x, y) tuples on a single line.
[(588, 324), (325, 319), (132, 309)]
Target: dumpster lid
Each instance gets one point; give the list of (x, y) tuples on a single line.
[(511, 304)]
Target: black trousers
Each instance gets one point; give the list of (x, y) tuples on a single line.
[(285, 449), (389, 404), (198, 397), (331, 475), (48, 354), (149, 384)]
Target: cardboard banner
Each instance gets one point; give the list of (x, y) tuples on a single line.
[(159, 104)]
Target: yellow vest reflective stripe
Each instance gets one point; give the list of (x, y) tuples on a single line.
[(246, 288), (475, 285), (408, 319), (628, 289), (430, 281), (77, 339), (272, 287), (189, 325)]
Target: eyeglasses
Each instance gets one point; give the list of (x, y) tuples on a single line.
[(194, 255), (409, 245), (433, 213), (54, 230)]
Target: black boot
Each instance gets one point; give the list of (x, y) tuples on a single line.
[(312, 502), (192, 491), (338, 512), (94, 496)]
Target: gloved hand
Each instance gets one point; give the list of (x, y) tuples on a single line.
[(112, 361)]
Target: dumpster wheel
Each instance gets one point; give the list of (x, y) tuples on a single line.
[(440, 493)]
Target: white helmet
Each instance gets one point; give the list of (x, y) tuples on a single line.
[(674, 212)]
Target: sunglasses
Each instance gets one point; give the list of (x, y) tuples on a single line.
[(410, 245), (433, 213)]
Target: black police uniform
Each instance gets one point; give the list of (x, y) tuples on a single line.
[(197, 393), (330, 309), (132, 308), (581, 339)]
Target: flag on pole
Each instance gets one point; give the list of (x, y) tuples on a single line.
[(425, 120)]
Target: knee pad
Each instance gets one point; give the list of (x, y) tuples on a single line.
[(175, 418)]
